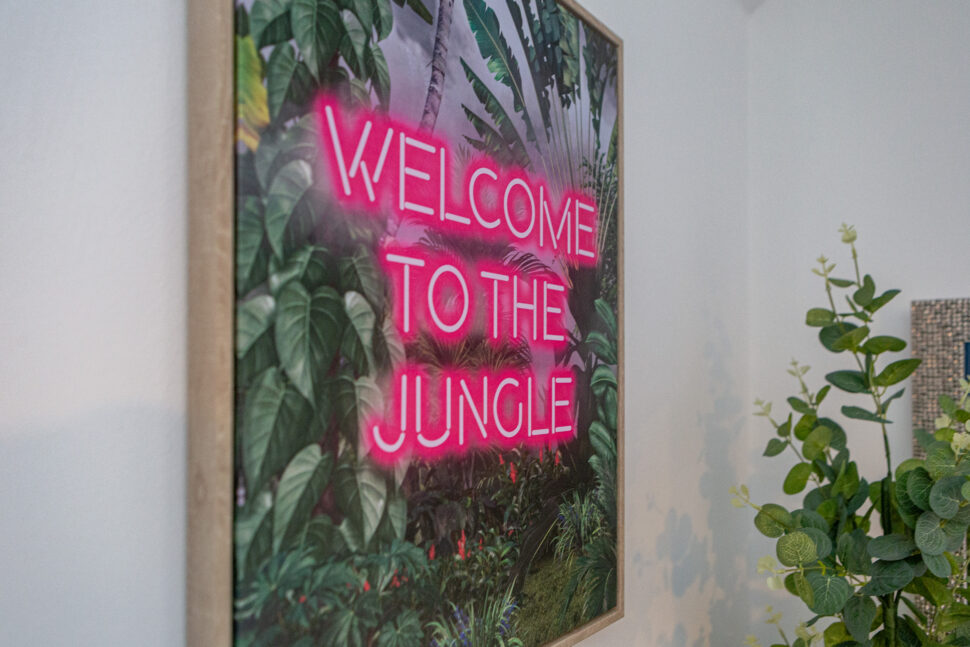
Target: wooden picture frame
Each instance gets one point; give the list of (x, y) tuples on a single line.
[(210, 473)]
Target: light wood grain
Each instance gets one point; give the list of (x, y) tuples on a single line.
[(210, 334)]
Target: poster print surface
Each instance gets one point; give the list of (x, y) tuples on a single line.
[(427, 283)]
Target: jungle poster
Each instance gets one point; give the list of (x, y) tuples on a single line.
[(427, 281)]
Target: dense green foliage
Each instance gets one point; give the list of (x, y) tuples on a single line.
[(833, 553), (330, 549)]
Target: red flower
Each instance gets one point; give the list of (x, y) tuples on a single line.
[(302, 599), (461, 545), (431, 553), (501, 461), (481, 544), (512, 472), (558, 456), (366, 585)]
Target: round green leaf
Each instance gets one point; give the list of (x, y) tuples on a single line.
[(940, 460), (810, 519), (816, 442), (819, 317), (796, 549), (930, 537), (772, 520), (945, 497), (823, 545), (918, 487), (965, 490), (829, 593), (858, 614), (938, 565), (797, 478), (887, 577), (891, 547)]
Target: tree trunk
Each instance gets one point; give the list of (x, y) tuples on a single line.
[(439, 63)]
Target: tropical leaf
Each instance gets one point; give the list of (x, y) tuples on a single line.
[(358, 342), (353, 44), (301, 485), (254, 316), (417, 7), (384, 18), (275, 423), (249, 241), (498, 55), (503, 139), (253, 534), (269, 22), (279, 76), (252, 112), (287, 190), (355, 400), (299, 141), (318, 30), (361, 274), (308, 332), (362, 495), (379, 74)]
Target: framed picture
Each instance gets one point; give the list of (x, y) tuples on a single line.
[(406, 323), (941, 338)]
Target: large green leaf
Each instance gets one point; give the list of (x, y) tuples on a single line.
[(379, 73), (318, 30), (353, 44), (362, 495), (254, 316), (858, 413), (249, 240), (269, 22), (358, 342), (299, 141), (287, 189), (384, 20), (253, 534), (417, 7), (275, 424), (501, 61), (360, 273), (279, 76), (301, 485), (403, 631), (308, 332), (355, 400), (603, 378)]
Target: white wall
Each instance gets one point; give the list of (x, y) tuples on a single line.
[(92, 323), (857, 113), (686, 247), (749, 139)]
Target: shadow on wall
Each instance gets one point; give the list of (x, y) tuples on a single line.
[(93, 542), (700, 561)]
